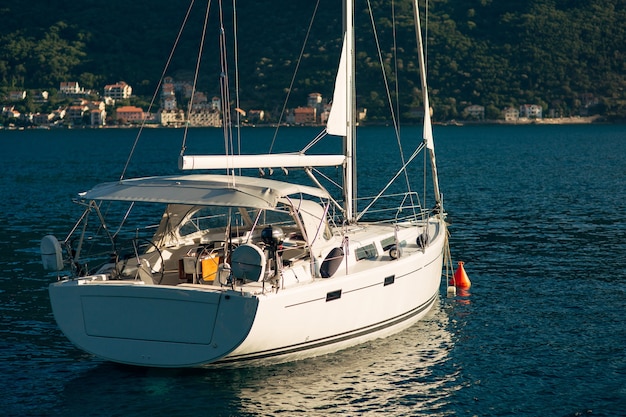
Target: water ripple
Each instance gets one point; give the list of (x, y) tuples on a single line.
[(538, 221)]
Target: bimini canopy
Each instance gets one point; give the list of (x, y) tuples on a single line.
[(209, 190)]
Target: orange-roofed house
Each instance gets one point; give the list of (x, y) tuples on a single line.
[(305, 115), (130, 114)]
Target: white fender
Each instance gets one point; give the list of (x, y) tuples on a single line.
[(248, 262), (51, 253)]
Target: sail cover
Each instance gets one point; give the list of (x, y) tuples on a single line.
[(337, 119)]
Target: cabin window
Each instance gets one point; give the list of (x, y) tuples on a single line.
[(366, 252), (217, 218), (389, 280), (208, 218), (276, 218), (388, 242)]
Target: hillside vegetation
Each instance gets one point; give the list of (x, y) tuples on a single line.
[(568, 56)]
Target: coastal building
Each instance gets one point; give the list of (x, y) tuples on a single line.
[(200, 102), (71, 88), (172, 118), (118, 91), (256, 116), (97, 118), (130, 114), (474, 112), (40, 96), (216, 103), (304, 115), (43, 119), (325, 113), (76, 112), (205, 118), (17, 95), (10, 112), (97, 113), (182, 87), (511, 114), (315, 100), (167, 91), (59, 114), (169, 103), (531, 111)]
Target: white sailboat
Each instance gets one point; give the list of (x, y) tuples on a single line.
[(243, 270)]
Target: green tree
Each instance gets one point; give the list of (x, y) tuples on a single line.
[(54, 58)]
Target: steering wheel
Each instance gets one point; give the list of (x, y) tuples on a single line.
[(136, 248)]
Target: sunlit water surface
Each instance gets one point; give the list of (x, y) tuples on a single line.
[(538, 214)]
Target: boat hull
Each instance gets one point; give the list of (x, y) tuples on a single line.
[(199, 325), (372, 304)]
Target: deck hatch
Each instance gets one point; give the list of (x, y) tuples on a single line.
[(366, 252)]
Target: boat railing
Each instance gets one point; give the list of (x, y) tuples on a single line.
[(404, 206)]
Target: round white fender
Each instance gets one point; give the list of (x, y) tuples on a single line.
[(248, 262)]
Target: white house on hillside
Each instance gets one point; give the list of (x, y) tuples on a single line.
[(71, 88), (475, 112), (511, 114), (118, 91), (532, 111)]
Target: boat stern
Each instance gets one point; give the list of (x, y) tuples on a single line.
[(145, 325)]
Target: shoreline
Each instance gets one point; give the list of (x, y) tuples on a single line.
[(573, 120)]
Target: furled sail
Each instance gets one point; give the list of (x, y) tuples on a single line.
[(428, 129), (337, 119)]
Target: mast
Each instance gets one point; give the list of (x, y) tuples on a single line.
[(349, 142)]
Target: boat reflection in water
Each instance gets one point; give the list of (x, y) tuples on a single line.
[(399, 375), (409, 373)]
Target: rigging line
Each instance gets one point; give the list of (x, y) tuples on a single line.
[(236, 57), (398, 173), (382, 66), (326, 177), (428, 131), (397, 91), (425, 179), (315, 140), (156, 91), (386, 83), (197, 70), (293, 78), (395, 56), (119, 228), (225, 89)]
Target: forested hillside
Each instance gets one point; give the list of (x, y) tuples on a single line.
[(568, 56)]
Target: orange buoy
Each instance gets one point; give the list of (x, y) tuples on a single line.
[(460, 279)]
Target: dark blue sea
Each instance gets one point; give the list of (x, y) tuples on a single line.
[(537, 213)]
